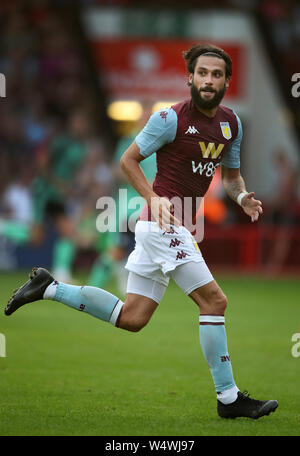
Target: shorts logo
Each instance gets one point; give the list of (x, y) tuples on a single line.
[(181, 255), (175, 242), (226, 132), (172, 231)]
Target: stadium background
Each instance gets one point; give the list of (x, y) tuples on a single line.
[(60, 61), (78, 75)]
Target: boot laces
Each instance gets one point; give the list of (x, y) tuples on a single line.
[(246, 396)]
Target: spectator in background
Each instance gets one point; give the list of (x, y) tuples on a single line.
[(44, 123), (282, 211), (94, 179), (16, 214), (53, 186)]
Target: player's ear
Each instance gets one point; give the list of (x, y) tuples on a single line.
[(227, 82), (190, 79)]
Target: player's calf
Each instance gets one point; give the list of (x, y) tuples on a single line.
[(132, 315), (41, 285)]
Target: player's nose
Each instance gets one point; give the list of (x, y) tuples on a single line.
[(208, 79), (208, 84)]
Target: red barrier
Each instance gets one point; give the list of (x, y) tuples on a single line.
[(249, 247)]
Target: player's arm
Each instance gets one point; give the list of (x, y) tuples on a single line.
[(130, 164), (235, 188), (233, 182), (156, 133)]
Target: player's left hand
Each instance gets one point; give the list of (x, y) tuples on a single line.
[(252, 207)]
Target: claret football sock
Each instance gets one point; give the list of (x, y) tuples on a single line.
[(95, 301), (214, 346)]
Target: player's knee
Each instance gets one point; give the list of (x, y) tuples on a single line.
[(132, 323), (220, 303), (217, 302), (135, 325)]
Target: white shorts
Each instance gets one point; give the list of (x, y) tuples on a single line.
[(158, 254)]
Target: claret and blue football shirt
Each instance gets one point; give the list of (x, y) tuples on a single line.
[(189, 147)]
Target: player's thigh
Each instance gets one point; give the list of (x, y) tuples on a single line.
[(142, 299), (196, 280)]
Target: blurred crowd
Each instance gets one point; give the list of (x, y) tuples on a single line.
[(55, 161), (280, 25), (283, 18), (55, 158)]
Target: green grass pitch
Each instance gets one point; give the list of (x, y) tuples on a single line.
[(66, 373)]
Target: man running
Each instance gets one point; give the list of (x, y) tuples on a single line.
[(191, 139)]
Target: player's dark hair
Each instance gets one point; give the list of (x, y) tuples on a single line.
[(191, 55)]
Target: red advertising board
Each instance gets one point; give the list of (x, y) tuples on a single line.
[(153, 69)]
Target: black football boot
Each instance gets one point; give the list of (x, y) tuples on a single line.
[(246, 406), (30, 291)]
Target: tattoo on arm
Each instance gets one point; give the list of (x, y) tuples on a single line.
[(234, 187)]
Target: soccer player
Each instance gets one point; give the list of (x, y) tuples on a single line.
[(191, 140)]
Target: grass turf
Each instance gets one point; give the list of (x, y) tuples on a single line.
[(66, 373)]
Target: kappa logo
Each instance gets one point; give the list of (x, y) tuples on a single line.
[(163, 115), (191, 130), (172, 231), (181, 255), (175, 242)]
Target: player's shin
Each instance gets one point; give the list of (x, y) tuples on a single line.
[(213, 341), (95, 301)]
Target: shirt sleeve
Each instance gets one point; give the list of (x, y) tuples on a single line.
[(160, 129), (232, 156)]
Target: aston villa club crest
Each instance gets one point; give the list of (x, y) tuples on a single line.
[(226, 132)]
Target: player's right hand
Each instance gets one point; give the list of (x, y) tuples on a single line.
[(163, 211)]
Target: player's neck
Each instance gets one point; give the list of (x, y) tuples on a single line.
[(208, 112)]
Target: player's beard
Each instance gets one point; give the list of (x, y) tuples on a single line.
[(207, 104)]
